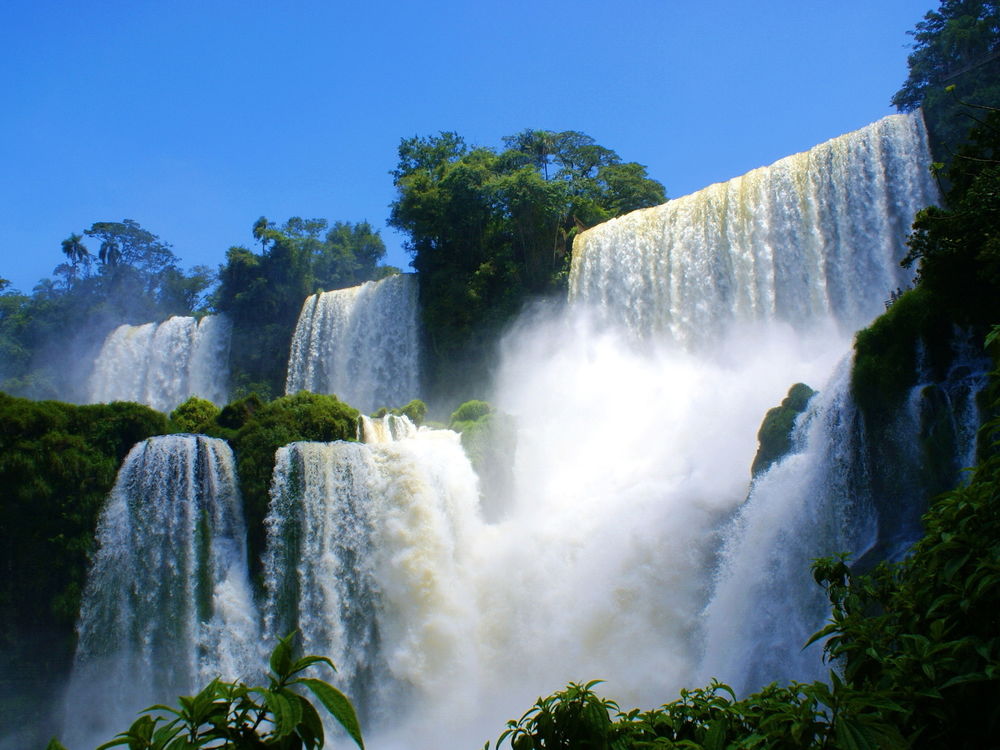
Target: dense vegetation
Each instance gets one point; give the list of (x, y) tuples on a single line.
[(487, 228), (957, 45)]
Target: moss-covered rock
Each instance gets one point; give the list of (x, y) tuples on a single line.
[(775, 435)]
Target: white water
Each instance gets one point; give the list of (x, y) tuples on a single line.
[(361, 344), (814, 237), (163, 364), (167, 605)]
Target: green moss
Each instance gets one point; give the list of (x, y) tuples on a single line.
[(415, 411), (775, 434), (886, 353)]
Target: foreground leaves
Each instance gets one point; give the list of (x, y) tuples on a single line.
[(234, 715)]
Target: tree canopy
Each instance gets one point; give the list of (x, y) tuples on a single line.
[(957, 45)]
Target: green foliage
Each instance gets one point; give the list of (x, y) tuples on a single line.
[(799, 716), (957, 248), (956, 56), (489, 228), (235, 715), (775, 434), (262, 293), (470, 411), (194, 415)]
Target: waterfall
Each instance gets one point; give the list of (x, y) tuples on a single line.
[(167, 605), (361, 344), (814, 237), (162, 365), (633, 546), (365, 550)]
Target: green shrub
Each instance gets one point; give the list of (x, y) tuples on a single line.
[(195, 415)]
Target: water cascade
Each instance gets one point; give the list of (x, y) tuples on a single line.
[(632, 464), (167, 605), (163, 364), (366, 543), (814, 237), (361, 344)]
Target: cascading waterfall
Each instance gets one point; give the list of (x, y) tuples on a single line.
[(361, 344), (632, 464), (163, 364), (167, 605), (365, 545), (814, 237)]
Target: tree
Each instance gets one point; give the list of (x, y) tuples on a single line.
[(956, 45)]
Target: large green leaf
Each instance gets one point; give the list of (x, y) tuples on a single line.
[(338, 705)]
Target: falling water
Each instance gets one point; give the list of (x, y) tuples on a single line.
[(167, 605), (631, 464), (365, 548), (812, 238), (361, 344), (163, 364)]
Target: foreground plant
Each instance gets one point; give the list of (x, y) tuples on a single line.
[(234, 715)]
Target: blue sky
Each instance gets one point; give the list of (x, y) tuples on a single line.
[(195, 118)]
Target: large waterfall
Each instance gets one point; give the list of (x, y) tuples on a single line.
[(163, 364), (813, 238), (361, 344), (627, 549), (167, 605)]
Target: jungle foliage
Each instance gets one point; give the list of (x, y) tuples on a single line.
[(58, 463), (956, 251), (487, 228), (956, 46)]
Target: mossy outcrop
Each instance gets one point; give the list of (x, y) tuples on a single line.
[(775, 435)]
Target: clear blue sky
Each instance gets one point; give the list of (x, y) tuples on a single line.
[(195, 118)]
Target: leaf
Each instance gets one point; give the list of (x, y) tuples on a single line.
[(285, 709), (311, 726), (337, 704), (308, 661), (281, 657), (55, 744)]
